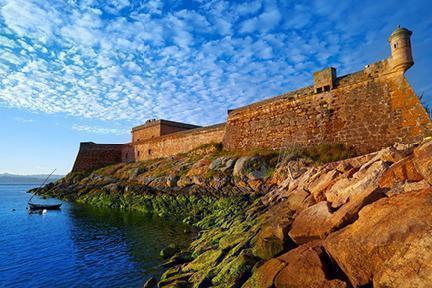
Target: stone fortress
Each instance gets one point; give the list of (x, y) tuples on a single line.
[(367, 110)]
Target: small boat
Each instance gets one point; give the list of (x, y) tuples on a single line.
[(43, 207), (34, 206)]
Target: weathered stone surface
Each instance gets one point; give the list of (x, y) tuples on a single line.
[(423, 160), (384, 228), (411, 266), (264, 276), (306, 266), (401, 171), (207, 259), (318, 187), (269, 242), (299, 199), (312, 223), (222, 163), (254, 168), (364, 179)]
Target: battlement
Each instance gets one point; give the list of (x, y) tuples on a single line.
[(367, 110)]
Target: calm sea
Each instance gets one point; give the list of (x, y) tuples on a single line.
[(79, 246)]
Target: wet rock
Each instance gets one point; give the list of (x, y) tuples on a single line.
[(384, 229), (264, 276), (169, 251), (150, 283), (207, 259), (423, 160), (235, 272)]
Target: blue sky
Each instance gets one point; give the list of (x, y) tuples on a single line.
[(74, 71)]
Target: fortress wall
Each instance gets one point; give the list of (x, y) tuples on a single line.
[(149, 132), (127, 153), (368, 110), (179, 142), (92, 156)]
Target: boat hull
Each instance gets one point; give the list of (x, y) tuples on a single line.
[(33, 206)]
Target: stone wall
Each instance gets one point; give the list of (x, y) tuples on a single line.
[(367, 110), (179, 142), (92, 156), (146, 133)]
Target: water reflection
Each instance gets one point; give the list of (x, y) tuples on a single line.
[(79, 246)]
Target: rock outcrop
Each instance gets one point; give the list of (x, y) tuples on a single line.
[(282, 220)]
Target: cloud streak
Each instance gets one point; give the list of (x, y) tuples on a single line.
[(127, 61)]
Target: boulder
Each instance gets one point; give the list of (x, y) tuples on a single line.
[(322, 183), (423, 160), (409, 267), (169, 251), (383, 230), (307, 266), (312, 223), (299, 199), (264, 276), (208, 259), (401, 171), (269, 242), (222, 163), (365, 178), (254, 168)]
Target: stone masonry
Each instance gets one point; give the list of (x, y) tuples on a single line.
[(367, 110)]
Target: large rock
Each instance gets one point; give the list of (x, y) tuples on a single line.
[(312, 223), (265, 274), (307, 266), (409, 267), (383, 230), (423, 160), (401, 171), (365, 178), (318, 187), (252, 167)]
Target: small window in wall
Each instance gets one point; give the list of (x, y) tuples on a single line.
[(327, 88), (127, 156), (395, 45), (138, 153), (149, 151), (319, 90)]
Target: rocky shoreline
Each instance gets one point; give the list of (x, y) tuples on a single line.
[(281, 220)]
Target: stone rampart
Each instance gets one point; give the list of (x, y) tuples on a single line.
[(367, 110), (92, 156), (178, 142)]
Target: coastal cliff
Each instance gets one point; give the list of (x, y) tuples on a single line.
[(294, 219)]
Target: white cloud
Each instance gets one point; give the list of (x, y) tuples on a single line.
[(99, 130), (154, 60)]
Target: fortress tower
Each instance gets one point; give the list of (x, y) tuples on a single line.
[(401, 55)]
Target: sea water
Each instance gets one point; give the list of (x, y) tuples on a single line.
[(80, 245)]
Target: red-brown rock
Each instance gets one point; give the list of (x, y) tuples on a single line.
[(423, 160), (401, 171), (384, 229), (305, 266)]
